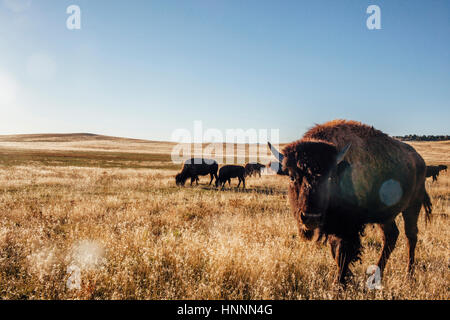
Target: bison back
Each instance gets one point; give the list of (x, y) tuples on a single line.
[(196, 166), (377, 165)]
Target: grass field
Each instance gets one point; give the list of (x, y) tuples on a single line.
[(109, 208)]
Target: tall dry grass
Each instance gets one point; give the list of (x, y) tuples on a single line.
[(134, 235)]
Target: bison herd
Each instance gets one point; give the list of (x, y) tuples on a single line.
[(195, 167), (343, 176)]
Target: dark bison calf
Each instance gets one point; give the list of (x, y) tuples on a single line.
[(433, 171), (195, 167), (253, 169), (230, 171)]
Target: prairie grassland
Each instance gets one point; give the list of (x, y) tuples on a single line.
[(117, 217)]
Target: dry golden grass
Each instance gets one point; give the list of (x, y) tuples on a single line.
[(134, 235)]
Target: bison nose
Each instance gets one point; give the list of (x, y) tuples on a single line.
[(312, 215)]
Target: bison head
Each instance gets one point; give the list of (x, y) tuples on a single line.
[(310, 165), (180, 179)]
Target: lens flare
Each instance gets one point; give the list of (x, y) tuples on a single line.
[(390, 192)]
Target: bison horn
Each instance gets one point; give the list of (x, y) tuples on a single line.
[(275, 152), (342, 154)]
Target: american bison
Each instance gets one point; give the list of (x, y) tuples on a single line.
[(231, 171), (344, 175), (195, 167), (433, 171), (253, 169)]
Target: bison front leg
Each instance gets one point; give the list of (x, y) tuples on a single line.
[(345, 252), (212, 177), (390, 235)]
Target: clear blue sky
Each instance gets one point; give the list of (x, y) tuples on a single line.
[(145, 68)]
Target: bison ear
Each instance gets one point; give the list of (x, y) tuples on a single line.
[(342, 153)]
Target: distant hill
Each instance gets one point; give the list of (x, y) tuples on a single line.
[(61, 137), (414, 137), (88, 142)]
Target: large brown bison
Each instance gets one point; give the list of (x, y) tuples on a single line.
[(345, 175), (253, 168), (195, 167), (231, 171)]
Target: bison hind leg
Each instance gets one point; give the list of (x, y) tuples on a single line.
[(411, 216)]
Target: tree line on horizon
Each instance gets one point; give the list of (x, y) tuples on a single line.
[(415, 137)]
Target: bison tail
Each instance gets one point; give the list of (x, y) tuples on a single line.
[(427, 206)]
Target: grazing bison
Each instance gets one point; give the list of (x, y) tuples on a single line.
[(345, 175), (253, 169), (230, 171), (195, 167), (433, 171)]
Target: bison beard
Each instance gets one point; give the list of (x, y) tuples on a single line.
[(335, 189)]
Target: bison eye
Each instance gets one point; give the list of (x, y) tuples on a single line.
[(292, 178)]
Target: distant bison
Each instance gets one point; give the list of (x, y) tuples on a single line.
[(345, 175), (195, 167), (253, 169), (433, 171), (231, 171)]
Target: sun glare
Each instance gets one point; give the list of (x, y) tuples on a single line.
[(8, 90)]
